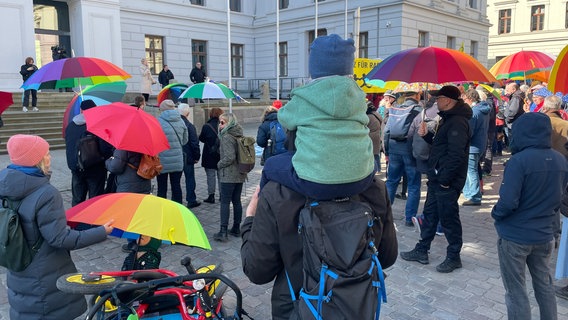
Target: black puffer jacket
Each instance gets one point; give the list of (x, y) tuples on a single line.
[(210, 156), (447, 164), (271, 244)]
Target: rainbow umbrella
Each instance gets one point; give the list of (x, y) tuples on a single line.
[(558, 81), (172, 91), (432, 65), (142, 214), (74, 72), (523, 65), (101, 94), (416, 87)]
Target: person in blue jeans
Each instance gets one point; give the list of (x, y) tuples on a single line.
[(531, 191), (478, 124), (401, 162)]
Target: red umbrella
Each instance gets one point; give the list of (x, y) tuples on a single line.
[(74, 72), (521, 65), (6, 100), (127, 128), (430, 64)]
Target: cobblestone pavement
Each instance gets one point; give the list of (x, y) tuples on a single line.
[(414, 291)]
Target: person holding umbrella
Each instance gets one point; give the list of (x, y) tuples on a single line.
[(32, 293), (26, 71)]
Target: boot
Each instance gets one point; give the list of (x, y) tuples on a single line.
[(222, 235), (210, 199), (235, 230)]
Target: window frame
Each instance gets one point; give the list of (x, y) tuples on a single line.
[(154, 56), (537, 17), (504, 25), (423, 39), (197, 2), (364, 44), (283, 4), (474, 48), (237, 60), (451, 42), (283, 58), (236, 5), (198, 55)]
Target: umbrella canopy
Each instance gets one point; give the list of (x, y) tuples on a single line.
[(103, 93), (558, 81), (74, 72), (416, 87), (492, 91), (127, 128), (142, 214), (6, 100), (430, 64), (523, 65), (208, 90), (172, 91)]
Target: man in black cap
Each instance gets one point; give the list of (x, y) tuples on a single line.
[(447, 171), (88, 176)]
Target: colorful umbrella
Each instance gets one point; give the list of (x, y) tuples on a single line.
[(492, 91), (523, 65), (74, 72), (416, 87), (432, 65), (127, 128), (6, 100), (208, 90), (558, 81), (142, 214), (172, 91), (102, 93)]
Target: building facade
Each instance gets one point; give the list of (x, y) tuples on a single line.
[(538, 25), (180, 33)]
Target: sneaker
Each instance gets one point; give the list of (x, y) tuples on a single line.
[(35, 109), (439, 230), (194, 204), (24, 109), (561, 292), (471, 203), (235, 231), (417, 222), (408, 223), (401, 196), (449, 265), (415, 255), (439, 233)]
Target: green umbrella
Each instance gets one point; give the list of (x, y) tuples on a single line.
[(208, 90)]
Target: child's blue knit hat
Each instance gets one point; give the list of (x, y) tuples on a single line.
[(331, 56)]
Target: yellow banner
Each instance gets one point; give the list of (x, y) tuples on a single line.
[(361, 68)]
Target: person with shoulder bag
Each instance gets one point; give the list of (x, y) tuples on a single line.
[(210, 156)]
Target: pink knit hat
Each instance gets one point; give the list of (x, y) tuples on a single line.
[(26, 150)]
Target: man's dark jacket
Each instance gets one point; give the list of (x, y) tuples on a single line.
[(449, 155), (75, 130), (514, 107), (197, 75), (164, 77), (191, 148)]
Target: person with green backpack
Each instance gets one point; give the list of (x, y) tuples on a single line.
[(32, 291)]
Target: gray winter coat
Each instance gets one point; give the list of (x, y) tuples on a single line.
[(32, 293), (127, 180), (176, 132), (228, 166)]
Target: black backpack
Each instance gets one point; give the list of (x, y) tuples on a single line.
[(15, 252), (88, 153), (343, 278)]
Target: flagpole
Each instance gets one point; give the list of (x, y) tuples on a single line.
[(277, 50), (345, 32), (229, 51), (316, 30)]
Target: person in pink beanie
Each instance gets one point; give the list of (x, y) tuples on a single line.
[(32, 293)]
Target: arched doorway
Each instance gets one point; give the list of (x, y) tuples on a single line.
[(52, 32)]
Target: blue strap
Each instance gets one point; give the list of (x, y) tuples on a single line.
[(292, 294), (323, 272)]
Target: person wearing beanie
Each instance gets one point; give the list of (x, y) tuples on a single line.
[(330, 156), (32, 293), (447, 172), (85, 180), (172, 159)]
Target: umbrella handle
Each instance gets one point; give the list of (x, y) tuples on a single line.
[(171, 235)]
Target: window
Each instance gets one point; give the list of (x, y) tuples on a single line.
[(566, 17), (474, 48), (504, 21), (311, 37), (363, 45), (283, 4), (52, 31), (237, 60), (154, 46), (198, 2), (235, 5), (283, 59), (537, 17), (422, 39), (451, 42), (472, 4), (199, 53)]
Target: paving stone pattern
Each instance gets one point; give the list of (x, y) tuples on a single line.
[(414, 291)]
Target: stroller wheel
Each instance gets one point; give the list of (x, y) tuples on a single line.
[(85, 283)]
